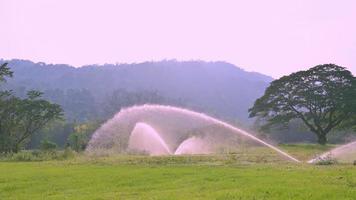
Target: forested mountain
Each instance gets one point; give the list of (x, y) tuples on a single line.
[(98, 91)]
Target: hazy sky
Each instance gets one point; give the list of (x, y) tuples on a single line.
[(274, 37)]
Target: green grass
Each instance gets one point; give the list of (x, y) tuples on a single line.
[(305, 152), (229, 176)]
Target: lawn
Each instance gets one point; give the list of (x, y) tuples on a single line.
[(196, 177)]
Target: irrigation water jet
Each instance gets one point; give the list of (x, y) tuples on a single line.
[(345, 153), (173, 124), (146, 139), (193, 145)]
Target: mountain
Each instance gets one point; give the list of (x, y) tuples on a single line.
[(217, 88)]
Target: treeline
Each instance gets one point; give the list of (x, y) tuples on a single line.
[(218, 88), (30, 119), (64, 134), (83, 114), (92, 94), (80, 105)]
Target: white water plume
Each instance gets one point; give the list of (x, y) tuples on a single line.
[(344, 154), (174, 125), (194, 145), (144, 138)]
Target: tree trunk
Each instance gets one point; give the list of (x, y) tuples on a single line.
[(16, 148), (322, 139)]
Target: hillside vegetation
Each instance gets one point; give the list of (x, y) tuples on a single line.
[(97, 92)]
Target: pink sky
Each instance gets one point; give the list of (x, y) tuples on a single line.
[(274, 37)]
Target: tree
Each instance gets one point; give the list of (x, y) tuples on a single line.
[(5, 72), (323, 98), (79, 139), (21, 118)]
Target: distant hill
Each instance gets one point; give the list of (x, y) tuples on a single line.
[(218, 88)]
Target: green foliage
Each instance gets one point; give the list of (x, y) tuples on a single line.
[(5, 72), (79, 139), (56, 131), (47, 145), (89, 93), (68, 153), (322, 97), (35, 155), (21, 118), (121, 98)]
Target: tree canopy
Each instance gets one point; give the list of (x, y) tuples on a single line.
[(21, 118), (5, 72), (323, 97)]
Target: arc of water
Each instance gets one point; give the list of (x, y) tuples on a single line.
[(262, 142), (213, 120), (339, 149), (232, 128), (152, 134), (256, 139), (193, 145), (226, 125)]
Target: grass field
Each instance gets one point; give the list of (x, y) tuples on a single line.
[(185, 177)]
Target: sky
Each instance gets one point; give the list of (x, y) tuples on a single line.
[(274, 37)]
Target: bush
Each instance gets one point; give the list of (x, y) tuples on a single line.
[(68, 153), (38, 155), (47, 145)]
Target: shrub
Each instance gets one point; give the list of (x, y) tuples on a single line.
[(47, 145), (38, 155), (68, 153)]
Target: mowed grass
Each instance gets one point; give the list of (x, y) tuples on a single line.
[(183, 177), (305, 152)]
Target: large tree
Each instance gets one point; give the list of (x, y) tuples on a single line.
[(21, 118), (323, 97)]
